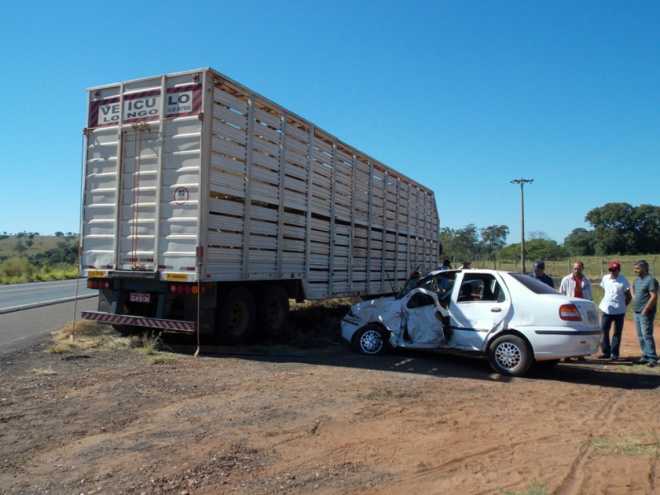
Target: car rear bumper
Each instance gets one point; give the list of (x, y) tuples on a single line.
[(557, 343)]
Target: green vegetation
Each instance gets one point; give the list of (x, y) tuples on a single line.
[(633, 444), (90, 335), (535, 489), (29, 257), (618, 229)]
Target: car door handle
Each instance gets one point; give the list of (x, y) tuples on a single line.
[(496, 310)]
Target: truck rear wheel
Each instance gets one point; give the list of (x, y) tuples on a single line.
[(235, 317), (274, 312)]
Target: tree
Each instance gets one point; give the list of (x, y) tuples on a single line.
[(620, 228), (462, 244), (471, 243), (542, 249), (20, 248), (613, 228), (580, 242), (538, 234), (493, 239), (536, 249), (646, 220)]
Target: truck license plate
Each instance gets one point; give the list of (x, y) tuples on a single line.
[(140, 298)]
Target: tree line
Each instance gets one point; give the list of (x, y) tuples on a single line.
[(616, 228)]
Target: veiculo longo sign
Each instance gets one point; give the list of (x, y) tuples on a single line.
[(144, 106)]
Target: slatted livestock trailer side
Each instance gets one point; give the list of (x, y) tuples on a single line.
[(207, 206)]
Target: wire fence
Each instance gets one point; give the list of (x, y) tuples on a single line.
[(595, 267)]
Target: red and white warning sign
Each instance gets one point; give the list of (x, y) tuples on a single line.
[(181, 195)]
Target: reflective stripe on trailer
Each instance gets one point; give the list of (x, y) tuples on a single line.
[(139, 321)]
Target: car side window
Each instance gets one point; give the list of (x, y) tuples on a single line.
[(483, 287)]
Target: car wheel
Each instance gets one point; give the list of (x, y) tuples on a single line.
[(510, 355), (371, 339)]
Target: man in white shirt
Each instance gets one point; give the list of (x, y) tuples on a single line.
[(576, 284), (616, 297)]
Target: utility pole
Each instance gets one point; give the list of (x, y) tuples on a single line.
[(522, 182)]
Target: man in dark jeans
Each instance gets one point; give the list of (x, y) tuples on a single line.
[(645, 305), (616, 297)]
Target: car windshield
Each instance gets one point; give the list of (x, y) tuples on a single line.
[(536, 286)]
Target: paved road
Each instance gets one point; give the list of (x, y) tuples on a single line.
[(23, 296), (22, 329), (28, 312)]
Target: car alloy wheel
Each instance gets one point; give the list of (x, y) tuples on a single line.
[(510, 355), (371, 339)]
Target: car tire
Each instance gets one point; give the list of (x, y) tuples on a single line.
[(371, 339), (510, 355)]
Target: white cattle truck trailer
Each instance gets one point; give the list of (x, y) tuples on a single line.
[(207, 207)]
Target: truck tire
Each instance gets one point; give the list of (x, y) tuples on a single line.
[(235, 317), (274, 312)]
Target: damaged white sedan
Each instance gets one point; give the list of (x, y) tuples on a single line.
[(512, 318)]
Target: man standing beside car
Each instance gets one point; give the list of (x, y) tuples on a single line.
[(576, 284), (538, 269), (645, 301), (616, 297)]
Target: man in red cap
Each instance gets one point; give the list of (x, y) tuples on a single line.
[(616, 297)]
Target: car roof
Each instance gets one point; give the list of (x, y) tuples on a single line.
[(471, 270)]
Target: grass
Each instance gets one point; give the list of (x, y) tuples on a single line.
[(536, 488), (86, 334), (40, 244), (18, 270), (633, 445), (43, 372), (90, 335), (53, 258), (148, 343), (163, 360)]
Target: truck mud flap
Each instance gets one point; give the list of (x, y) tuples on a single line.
[(139, 321)]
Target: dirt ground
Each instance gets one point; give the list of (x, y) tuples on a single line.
[(324, 421)]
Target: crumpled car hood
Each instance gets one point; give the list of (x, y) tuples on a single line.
[(376, 309)]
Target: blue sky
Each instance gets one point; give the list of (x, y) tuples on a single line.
[(462, 96)]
